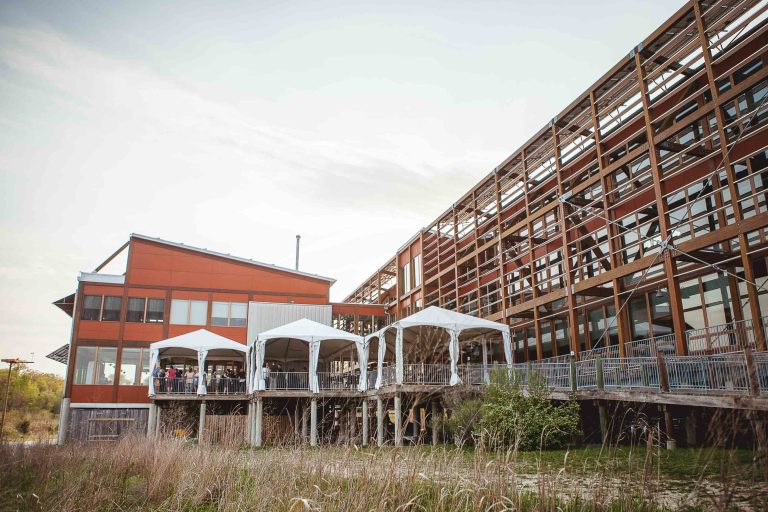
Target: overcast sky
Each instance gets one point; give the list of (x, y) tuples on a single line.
[(236, 125)]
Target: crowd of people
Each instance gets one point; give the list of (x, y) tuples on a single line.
[(185, 380)]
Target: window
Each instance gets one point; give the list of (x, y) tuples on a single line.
[(229, 314), (135, 309), (110, 312), (95, 365), (145, 310), (97, 307), (134, 367), (417, 270), (189, 312), (91, 307), (406, 278), (155, 311)]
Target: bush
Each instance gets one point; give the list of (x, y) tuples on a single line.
[(464, 423), (23, 427), (527, 421)]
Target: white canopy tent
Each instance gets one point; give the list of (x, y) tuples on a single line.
[(458, 325), (383, 338), (201, 343), (317, 336)]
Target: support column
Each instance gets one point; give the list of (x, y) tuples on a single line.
[(353, 424), (296, 419), (398, 420), (248, 426), (304, 424), (259, 422), (63, 421), (158, 421), (201, 424), (690, 428), (671, 443), (433, 424), (313, 419), (379, 421), (365, 422), (603, 421), (151, 421)]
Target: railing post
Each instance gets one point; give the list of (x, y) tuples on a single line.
[(599, 372), (663, 376), (753, 384), (574, 383), (529, 377)]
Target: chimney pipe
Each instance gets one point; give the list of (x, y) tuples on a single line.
[(298, 239)]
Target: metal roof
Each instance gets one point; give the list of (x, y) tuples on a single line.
[(230, 257), (60, 355)]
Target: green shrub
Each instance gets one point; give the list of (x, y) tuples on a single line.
[(526, 420), (23, 427), (465, 422)]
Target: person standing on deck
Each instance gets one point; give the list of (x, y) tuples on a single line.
[(266, 372)]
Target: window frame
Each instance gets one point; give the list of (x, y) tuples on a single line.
[(189, 312), (145, 311), (96, 359), (102, 302), (229, 317), (137, 374)]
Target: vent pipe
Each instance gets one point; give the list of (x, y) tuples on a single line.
[(298, 239)]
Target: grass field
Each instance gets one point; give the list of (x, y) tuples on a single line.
[(137, 474)]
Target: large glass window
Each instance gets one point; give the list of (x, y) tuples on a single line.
[(135, 309), (155, 310), (417, 270), (134, 367), (230, 314), (111, 310), (406, 277), (189, 312), (95, 365), (145, 310), (91, 307)]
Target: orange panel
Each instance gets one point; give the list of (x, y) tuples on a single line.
[(178, 330), (185, 294), (230, 297), (91, 329), (146, 292), (143, 332), (237, 334), (132, 394), (89, 394), (100, 289)]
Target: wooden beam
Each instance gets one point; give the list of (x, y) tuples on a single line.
[(112, 257)]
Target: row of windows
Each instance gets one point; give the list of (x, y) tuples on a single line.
[(411, 274), (97, 365), (147, 310)]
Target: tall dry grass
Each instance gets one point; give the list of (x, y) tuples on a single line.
[(173, 474), (137, 474)]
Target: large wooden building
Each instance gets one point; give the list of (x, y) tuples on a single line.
[(634, 224), (640, 209), (169, 289)]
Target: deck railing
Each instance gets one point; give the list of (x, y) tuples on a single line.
[(631, 372), (215, 386), (287, 381), (340, 381), (718, 339), (726, 372)]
